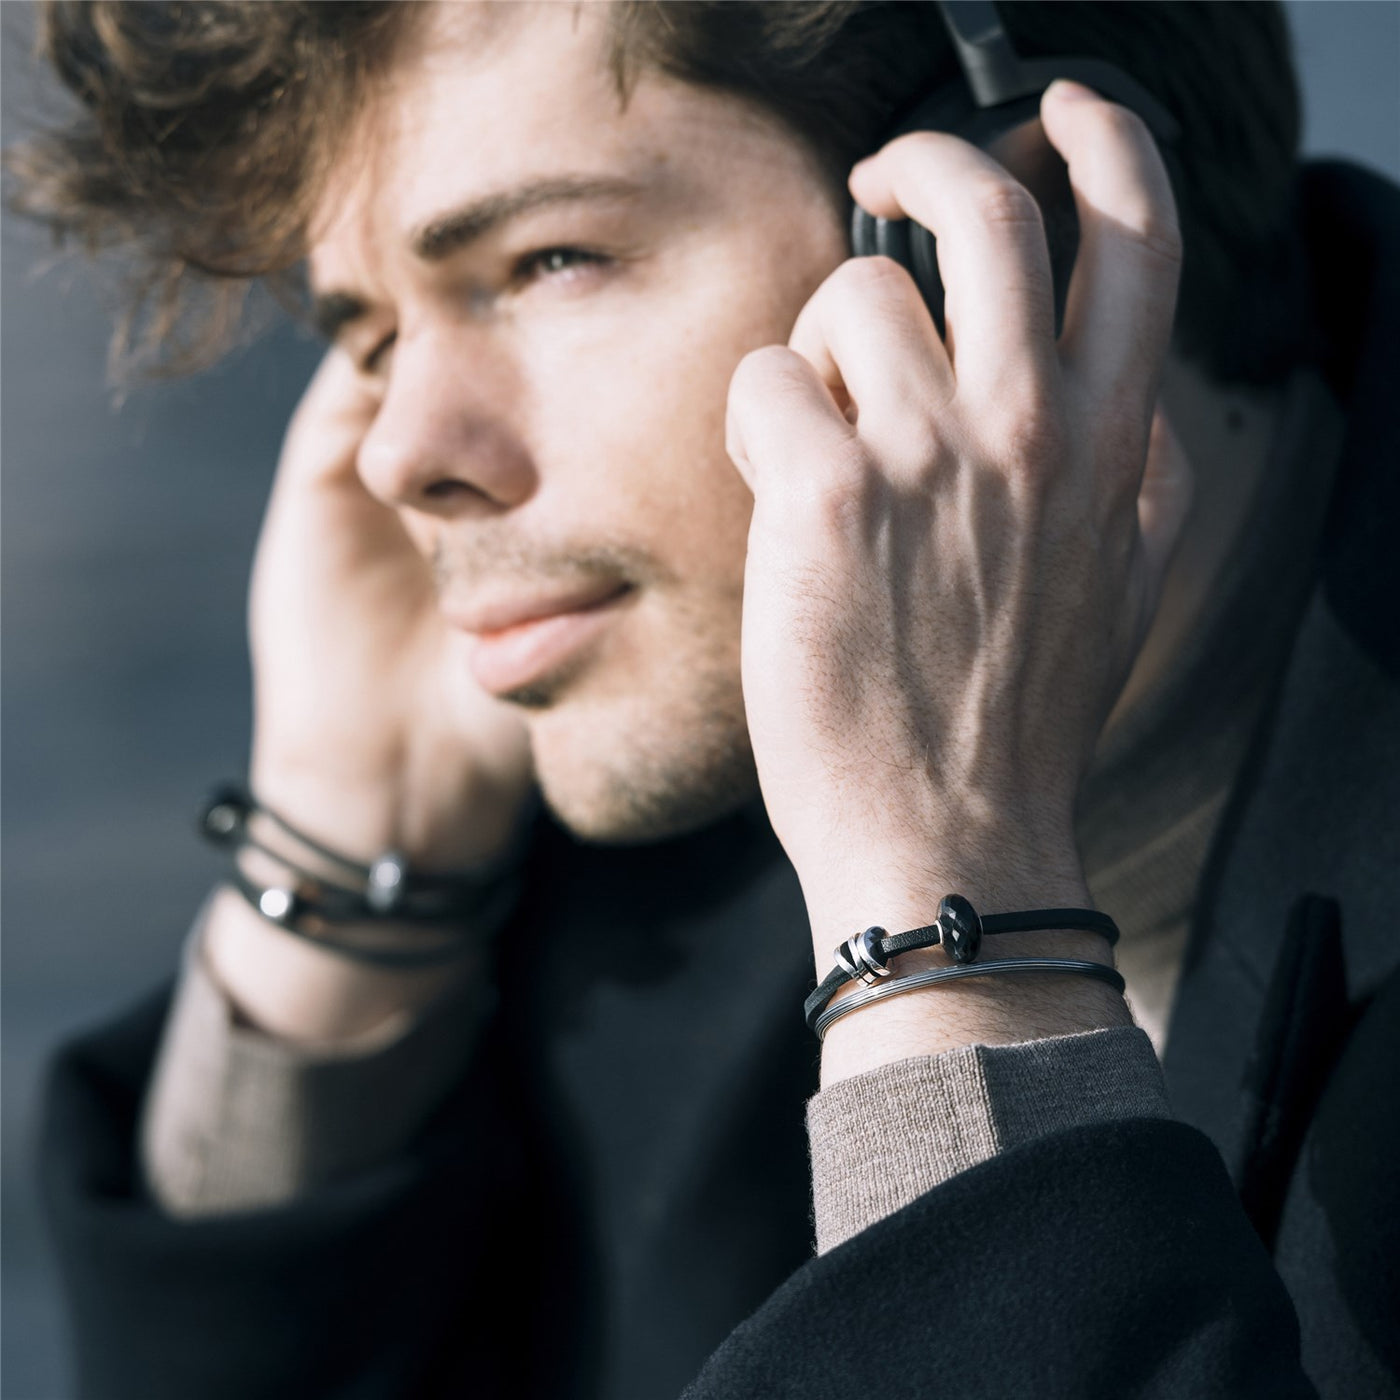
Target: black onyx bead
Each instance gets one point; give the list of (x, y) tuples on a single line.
[(224, 816), (962, 929)]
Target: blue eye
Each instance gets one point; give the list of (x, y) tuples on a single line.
[(554, 262)]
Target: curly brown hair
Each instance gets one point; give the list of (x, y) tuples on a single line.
[(207, 129)]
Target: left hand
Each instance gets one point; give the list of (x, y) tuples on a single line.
[(956, 548)]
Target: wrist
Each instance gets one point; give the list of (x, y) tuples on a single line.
[(363, 816), (995, 1010), (902, 890), (289, 987)]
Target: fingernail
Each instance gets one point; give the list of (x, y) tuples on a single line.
[(1067, 90)]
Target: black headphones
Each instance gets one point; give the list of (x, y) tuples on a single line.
[(1000, 92)]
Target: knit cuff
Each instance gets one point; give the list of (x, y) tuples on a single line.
[(238, 1120), (882, 1138)]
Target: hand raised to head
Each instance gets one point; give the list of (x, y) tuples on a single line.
[(369, 729), (953, 559)]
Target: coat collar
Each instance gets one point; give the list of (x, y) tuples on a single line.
[(1314, 811)]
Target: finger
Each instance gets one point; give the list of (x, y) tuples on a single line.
[(991, 249), (872, 342), (1122, 293), (318, 500), (335, 412), (783, 429), (1164, 502)]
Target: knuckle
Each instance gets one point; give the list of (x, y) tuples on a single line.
[(760, 372), (1036, 438), (1158, 236), (1151, 219), (858, 282), (847, 468), (1005, 203), (921, 449), (833, 492)]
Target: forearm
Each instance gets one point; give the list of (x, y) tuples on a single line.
[(290, 1060)]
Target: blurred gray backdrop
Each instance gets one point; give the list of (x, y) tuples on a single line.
[(127, 533)]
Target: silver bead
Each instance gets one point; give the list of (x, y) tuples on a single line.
[(276, 904), (386, 880)]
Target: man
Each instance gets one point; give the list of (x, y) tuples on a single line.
[(626, 484)]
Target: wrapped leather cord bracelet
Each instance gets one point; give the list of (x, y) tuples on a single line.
[(390, 889), (321, 918), (425, 919), (959, 930)]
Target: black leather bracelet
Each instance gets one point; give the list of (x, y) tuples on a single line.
[(958, 929), (387, 888), (305, 915)]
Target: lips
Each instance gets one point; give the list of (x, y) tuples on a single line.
[(510, 610), (524, 638)]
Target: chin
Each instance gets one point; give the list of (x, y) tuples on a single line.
[(629, 778)]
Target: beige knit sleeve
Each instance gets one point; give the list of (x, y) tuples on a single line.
[(883, 1138), (237, 1120)]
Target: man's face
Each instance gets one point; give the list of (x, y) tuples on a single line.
[(550, 424)]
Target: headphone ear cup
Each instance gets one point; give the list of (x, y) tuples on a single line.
[(924, 265), (909, 244), (872, 237), (892, 239), (862, 233)]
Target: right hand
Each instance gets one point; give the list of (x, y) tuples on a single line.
[(369, 730)]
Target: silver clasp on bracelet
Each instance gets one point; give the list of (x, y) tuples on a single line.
[(859, 957)]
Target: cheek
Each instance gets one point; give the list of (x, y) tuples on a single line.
[(639, 417), (675, 433), (636, 400)]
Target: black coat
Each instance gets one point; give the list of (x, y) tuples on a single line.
[(622, 1178)]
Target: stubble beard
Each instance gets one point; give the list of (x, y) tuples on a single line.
[(660, 763), (627, 760)]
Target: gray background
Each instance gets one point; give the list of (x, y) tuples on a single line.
[(127, 532)]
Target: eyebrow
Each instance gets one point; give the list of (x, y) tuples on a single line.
[(457, 229)]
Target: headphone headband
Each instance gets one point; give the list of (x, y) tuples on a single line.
[(1000, 91), (997, 75)]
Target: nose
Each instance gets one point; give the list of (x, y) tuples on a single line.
[(443, 442)]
